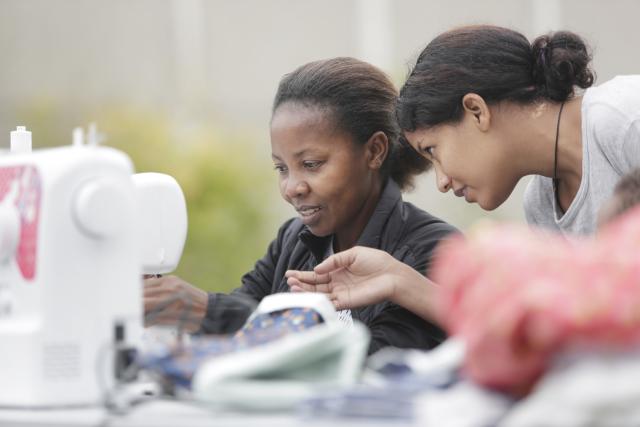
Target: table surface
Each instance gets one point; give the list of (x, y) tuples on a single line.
[(171, 413)]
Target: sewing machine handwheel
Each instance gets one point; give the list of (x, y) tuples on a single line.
[(99, 208)]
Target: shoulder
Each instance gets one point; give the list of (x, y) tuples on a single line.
[(609, 109), (282, 245), (419, 221), (621, 91), (611, 119), (421, 233), (289, 230)]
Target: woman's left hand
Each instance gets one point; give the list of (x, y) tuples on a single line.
[(363, 276), (354, 278)]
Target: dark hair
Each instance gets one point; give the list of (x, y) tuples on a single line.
[(626, 193), (361, 100), (496, 63)]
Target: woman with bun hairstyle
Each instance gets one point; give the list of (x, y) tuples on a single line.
[(487, 107)]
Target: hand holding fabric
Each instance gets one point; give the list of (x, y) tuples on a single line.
[(169, 300)]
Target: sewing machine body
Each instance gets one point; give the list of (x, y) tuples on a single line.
[(70, 271)]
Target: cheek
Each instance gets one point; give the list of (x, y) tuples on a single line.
[(352, 190), (282, 185), (480, 169), (339, 191), (451, 164), (354, 184), (499, 189)]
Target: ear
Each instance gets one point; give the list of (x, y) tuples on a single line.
[(376, 150), (477, 109)]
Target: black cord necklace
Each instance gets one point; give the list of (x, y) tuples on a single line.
[(555, 159)]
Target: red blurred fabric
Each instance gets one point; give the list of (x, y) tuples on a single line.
[(518, 296)]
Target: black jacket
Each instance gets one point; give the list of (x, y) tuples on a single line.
[(409, 234)]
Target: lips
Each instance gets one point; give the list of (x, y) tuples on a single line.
[(309, 213), (460, 191), (463, 192), (307, 210)]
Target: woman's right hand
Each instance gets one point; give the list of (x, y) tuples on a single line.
[(169, 300)]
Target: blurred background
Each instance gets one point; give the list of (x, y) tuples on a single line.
[(185, 87)]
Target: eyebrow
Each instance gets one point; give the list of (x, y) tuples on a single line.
[(297, 154), (404, 140)]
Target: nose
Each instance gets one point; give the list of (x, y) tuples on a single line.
[(294, 187), (442, 181)]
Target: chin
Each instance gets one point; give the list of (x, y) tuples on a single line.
[(319, 231), (488, 208), (491, 204)]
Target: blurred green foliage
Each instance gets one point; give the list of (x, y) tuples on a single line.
[(226, 186)]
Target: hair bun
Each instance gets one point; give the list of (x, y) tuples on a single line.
[(561, 62)]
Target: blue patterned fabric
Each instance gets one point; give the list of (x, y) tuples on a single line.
[(178, 363)]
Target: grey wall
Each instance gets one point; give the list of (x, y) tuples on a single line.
[(220, 61)]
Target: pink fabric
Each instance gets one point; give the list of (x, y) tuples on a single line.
[(517, 297)]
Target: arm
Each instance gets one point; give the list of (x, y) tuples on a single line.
[(405, 320), (363, 276), (170, 300), (227, 313)]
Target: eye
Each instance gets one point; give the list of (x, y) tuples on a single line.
[(311, 164), (428, 150), (282, 169)]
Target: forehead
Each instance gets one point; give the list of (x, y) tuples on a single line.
[(294, 115), (296, 127), (416, 137), (431, 135)]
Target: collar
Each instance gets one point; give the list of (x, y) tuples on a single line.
[(372, 233)]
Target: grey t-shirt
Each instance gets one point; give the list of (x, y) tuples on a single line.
[(610, 148)]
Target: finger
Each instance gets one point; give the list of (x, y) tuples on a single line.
[(340, 302), (159, 304), (309, 277), (159, 291), (337, 261), (334, 301), (190, 322), (151, 280), (292, 281), (152, 283), (296, 288), (160, 311)]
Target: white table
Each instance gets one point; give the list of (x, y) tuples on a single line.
[(171, 413)]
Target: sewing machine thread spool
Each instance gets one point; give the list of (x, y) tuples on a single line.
[(20, 140)]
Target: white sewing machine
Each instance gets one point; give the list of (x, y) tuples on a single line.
[(71, 260)]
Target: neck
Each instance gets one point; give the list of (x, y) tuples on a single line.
[(348, 236), (537, 149), (569, 173)]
